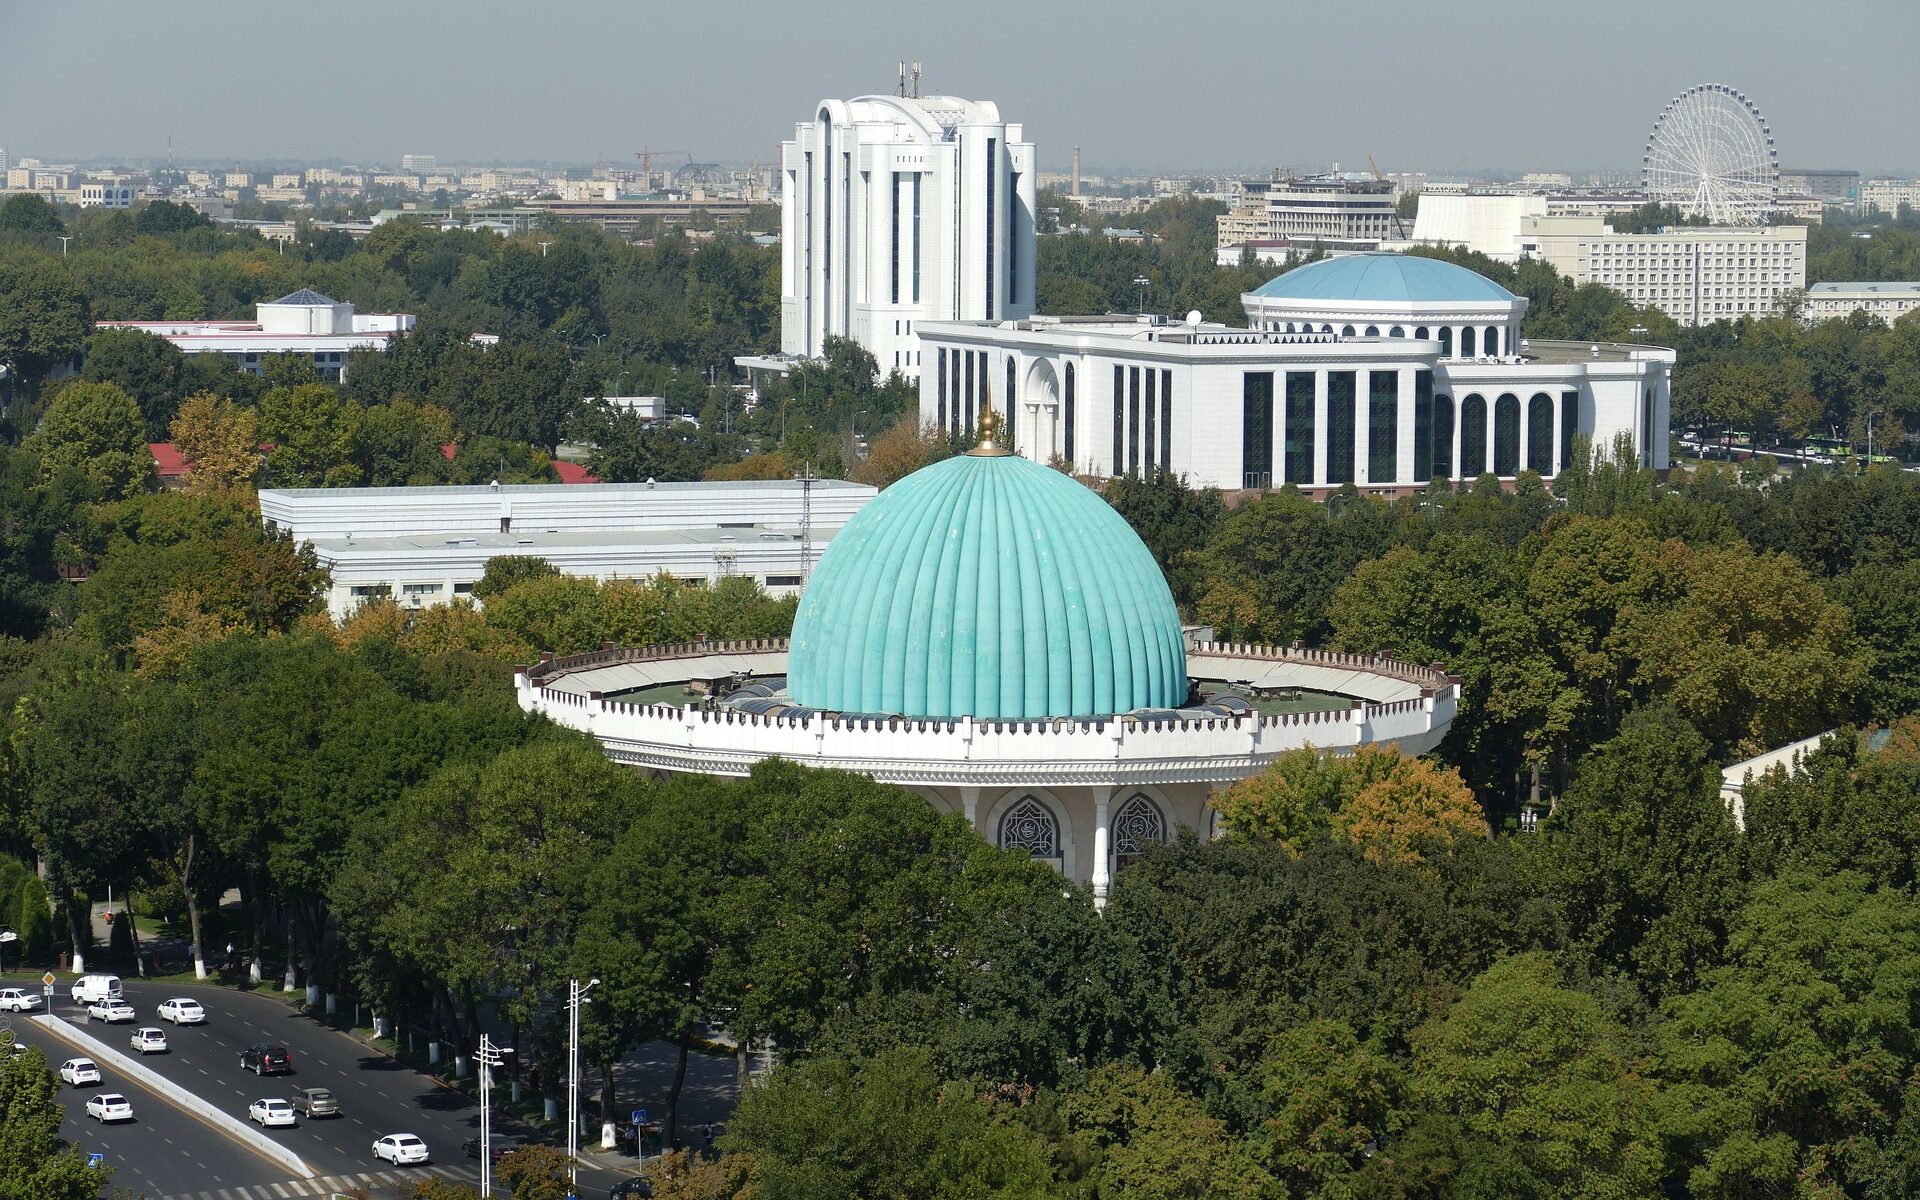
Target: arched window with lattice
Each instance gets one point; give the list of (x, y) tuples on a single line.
[(1136, 826), (1030, 825)]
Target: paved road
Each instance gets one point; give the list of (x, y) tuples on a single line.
[(378, 1096)]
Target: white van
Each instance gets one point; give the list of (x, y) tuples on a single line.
[(91, 988)]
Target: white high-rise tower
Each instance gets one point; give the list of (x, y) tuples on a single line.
[(902, 209)]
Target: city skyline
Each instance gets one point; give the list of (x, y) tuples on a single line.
[(1418, 94)]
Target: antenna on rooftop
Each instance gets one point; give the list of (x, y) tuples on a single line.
[(916, 79), (806, 479), (900, 86)]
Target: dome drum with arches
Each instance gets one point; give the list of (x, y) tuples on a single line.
[(987, 586), (1385, 279)]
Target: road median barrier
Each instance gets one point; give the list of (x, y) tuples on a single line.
[(87, 1045)]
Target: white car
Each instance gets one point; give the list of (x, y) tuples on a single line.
[(149, 1041), (110, 1107), (111, 1011), (182, 1011), (278, 1112), (400, 1149), (79, 1072), (18, 1000)]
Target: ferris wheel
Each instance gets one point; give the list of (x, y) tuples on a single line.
[(1711, 155)]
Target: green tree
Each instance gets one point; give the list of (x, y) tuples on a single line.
[(44, 317), (1146, 1138), (148, 368), (1542, 1073), (313, 432), (164, 216), (1175, 521), (34, 1159), (1643, 855), (1333, 1100), (1790, 1071), (884, 1127), (29, 212), (505, 570), (95, 428)]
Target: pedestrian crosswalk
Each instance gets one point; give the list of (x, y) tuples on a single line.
[(377, 1183)]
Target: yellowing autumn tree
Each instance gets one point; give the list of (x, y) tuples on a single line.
[(220, 439), (1389, 804)]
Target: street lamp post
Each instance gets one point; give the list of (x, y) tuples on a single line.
[(64, 239), (576, 996), (490, 1056), (1142, 282)]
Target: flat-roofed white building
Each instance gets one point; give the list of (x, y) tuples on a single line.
[(1888, 301), (1696, 274), (304, 322), (897, 210), (1383, 371), (1488, 225), (428, 545)]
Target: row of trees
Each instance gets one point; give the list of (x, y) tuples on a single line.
[(1762, 613)]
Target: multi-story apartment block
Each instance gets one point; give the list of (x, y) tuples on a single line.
[(239, 179), (1888, 301), (1887, 195), (419, 164), (1826, 184), (290, 180), (1334, 207), (1696, 274), (902, 209)]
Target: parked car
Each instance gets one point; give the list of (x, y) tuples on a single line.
[(266, 1058), (270, 1112), (79, 1072), (18, 1000), (316, 1102), (631, 1189), (89, 988), (111, 1011), (400, 1149), (182, 1011), (502, 1146), (149, 1040)]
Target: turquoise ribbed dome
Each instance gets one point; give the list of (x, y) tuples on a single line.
[(987, 586)]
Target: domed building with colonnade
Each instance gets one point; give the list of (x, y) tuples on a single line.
[(991, 634)]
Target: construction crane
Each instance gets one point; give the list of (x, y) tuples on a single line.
[(1376, 168), (646, 163)]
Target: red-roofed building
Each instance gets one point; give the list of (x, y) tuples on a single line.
[(569, 472), (169, 464)]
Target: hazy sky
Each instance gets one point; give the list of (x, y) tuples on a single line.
[(1439, 85)]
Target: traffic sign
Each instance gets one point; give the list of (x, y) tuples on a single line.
[(94, 1160), (47, 979), (639, 1116)]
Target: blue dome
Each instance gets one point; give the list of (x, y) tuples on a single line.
[(988, 586), (1387, 278)]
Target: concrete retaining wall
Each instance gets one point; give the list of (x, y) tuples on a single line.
[(241, 1131)]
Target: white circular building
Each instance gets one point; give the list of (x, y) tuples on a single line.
[(991, 634)]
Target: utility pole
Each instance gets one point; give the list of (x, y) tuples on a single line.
[(576, 996), (490, 1056)]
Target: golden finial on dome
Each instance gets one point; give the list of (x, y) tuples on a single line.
[(989, 426)]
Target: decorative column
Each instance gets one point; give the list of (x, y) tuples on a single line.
[(1102, 876), (1526, 429), (1455, 471), (1493, 452), (1320, 440), (1363, 427), (970, 798), (1406, 470)]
